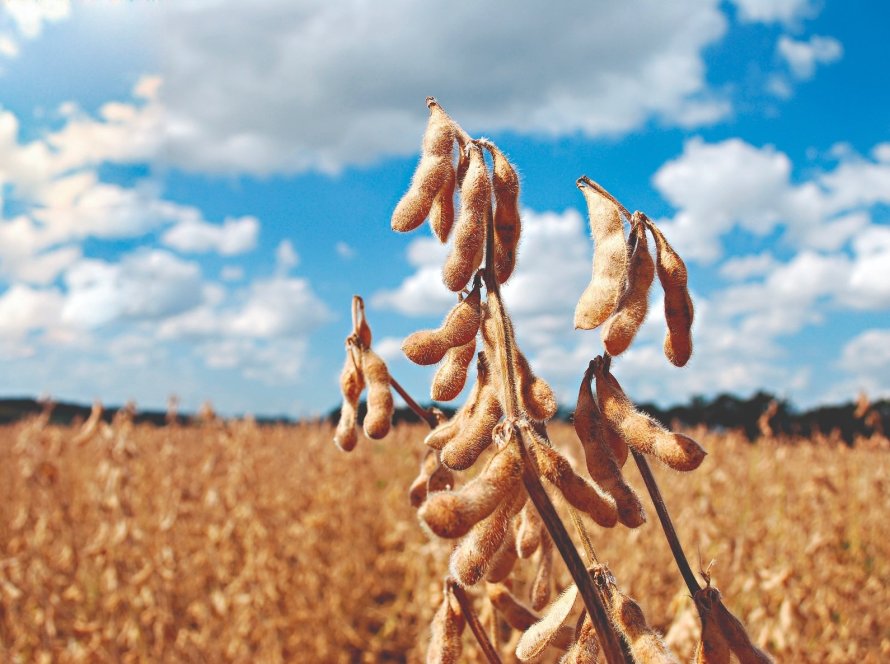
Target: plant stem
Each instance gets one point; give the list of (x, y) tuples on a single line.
[(666, 524), (421, 412), (466, 607)]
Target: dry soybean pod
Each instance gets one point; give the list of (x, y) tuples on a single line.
[(537, 637), (504, 561), (469, 233), (378, 419), (645, 643), (622, 326), (433, 476), (507, 224), (543, 583), (538, 399), (451, 514), (444, 433), (641, 431), (418, 491), (713, 648), (445, 632), (432, 171), (599, 299), (360, 327), (442, 210), (601, 464), (586, 648), (474, 554), (475, 434), (528, 533), (459, 328), (737, 638), (578, 492), (451, 376), (678, 308), (352, 383)]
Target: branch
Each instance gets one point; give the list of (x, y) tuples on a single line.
[(466, 607), (427, 416)]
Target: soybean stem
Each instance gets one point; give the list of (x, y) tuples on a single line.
[(421, 412), (466, 607)]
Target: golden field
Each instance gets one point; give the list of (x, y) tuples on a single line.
[(230, 542)]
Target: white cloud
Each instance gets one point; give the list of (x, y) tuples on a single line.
[(231, 273), (24, 309), (342, 86), (344, 251), (24, 19), (803, 56), (146, 285), (774, 11), (286, 257), (234, 236), (719, 186), (745, 267)]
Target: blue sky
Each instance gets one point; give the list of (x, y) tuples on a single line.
[(192, 191)]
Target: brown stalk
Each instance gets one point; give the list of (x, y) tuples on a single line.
[(466, 607), (426, 415), (664, 517), (592, 600)]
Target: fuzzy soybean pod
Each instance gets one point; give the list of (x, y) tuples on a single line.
[(474, 554), (645, 643), (601, 463), (459, 328), (451, 376), (445, 632), (713, 648), (543, 583), (475, 434), (433, 476), (736, 636), (505, 560), (622, 326), (678, 309), (537, 396), (585, 649), (537, 637), (432, 171), (352, 382), (580, 493), (469, 232), (520, 617), (442, 210), (599, 299), (641, 431), (451, 514), (507, 224), (528, 531), (446, 432), (378, 419)]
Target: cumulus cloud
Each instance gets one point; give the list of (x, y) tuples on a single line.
[(716, 187), (23, 19), (146, 285), (803, 56), (774, 11), (341, 86), (234, 236)]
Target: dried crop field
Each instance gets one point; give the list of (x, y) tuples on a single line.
[(230, 542)]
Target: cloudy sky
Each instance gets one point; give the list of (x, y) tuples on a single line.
[(191, 191)]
